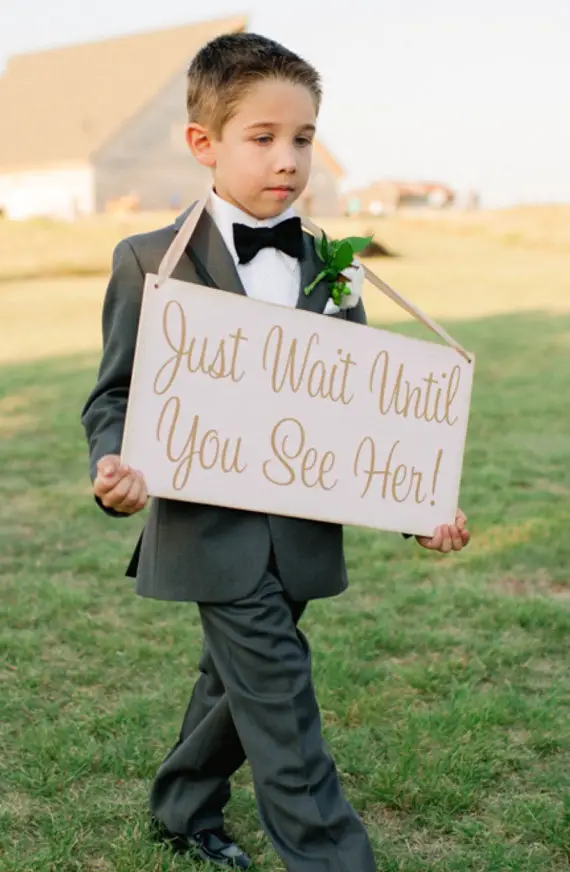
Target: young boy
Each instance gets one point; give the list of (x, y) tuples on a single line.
[(252, 107)]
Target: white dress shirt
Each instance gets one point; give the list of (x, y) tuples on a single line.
[(271, 276)]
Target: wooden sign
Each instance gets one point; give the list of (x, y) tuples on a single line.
[(239, 403)]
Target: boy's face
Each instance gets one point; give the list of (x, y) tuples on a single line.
[(262, 161)]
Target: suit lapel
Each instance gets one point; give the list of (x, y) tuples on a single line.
[(311, 266), (210, 256)]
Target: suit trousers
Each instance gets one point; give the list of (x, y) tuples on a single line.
[(255, 698)]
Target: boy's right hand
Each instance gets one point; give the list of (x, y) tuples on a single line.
[(119, 487)]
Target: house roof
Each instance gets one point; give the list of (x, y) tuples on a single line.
[(60, 106)]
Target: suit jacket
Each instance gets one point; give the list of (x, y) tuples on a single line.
[(189, 551)]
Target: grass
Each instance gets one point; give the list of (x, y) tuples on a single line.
[(443, 681), (455, 266), (44, 248)]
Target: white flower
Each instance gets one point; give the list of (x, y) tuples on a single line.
[(354, 275)]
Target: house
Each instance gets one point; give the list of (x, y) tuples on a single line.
[(386, 197), (92, 125)]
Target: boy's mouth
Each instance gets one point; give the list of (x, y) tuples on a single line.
[(281, 190)]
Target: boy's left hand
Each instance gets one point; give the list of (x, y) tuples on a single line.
[(448, 537)]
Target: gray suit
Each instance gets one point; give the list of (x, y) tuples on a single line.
[(226, 550), (251, 575)]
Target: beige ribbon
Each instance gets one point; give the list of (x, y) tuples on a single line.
[(182, 238), (400, 300), (178, 245)]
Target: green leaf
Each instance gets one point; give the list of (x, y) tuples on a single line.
[(324, 247), (343, 256), (357, 243)]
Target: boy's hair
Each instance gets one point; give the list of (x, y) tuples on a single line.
[(225, 68)]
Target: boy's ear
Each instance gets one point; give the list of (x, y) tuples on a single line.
[(200, 144)]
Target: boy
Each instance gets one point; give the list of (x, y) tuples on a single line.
[(252, 108)]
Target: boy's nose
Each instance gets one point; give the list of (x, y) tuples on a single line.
[(286, 161)]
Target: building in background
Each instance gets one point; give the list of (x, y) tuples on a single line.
[(386, 197), (321, 196), (100, 126)]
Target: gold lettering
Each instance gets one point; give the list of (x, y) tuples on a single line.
[(452, 388), (308, 463), (404, 399), (288, 440), (201, 365), (288, 373), (292, 367), (213, 363), (366, 444), (342, 395), (400, 409), (173, 363), (382, 355), (175, 403), (237, 337), (430, 382), (217, 368), (280, 450), (230, 464), (318, 369), (418, 476), (400, 476), (211, 437), (365, 464), (327, 463), (207, 450)]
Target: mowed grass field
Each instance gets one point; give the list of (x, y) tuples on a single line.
[(454, 266), (443, 680)]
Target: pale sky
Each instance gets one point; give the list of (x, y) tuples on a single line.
[(474, 94)]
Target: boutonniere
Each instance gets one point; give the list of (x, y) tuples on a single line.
[(337, 256)]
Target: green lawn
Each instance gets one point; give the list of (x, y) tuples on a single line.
[(443, 680)]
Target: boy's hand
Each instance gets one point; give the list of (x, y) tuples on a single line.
[(448, 537), (119, 487)]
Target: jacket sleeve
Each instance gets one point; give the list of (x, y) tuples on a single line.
[(103, 415)]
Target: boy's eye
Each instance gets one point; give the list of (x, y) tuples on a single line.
[(266, 138)]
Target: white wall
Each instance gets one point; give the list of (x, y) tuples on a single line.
[(55, 193)]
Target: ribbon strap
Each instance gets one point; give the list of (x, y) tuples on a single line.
[(178, 245), (400, 300)]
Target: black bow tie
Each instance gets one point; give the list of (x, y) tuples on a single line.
[(287, 236)]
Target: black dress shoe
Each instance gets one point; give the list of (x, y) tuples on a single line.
[(217, 847), (214, 846)]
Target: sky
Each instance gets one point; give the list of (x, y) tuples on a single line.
[(476, 95)]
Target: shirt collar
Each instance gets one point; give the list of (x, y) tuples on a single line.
[(225, 215)]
